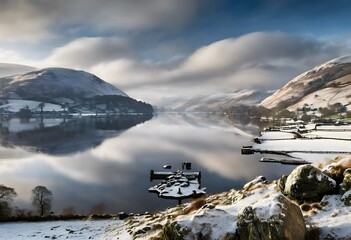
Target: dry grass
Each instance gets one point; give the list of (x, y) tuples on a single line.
[(305, 207), (193, 206), (316, 206)]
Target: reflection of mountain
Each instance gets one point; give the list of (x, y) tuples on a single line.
[(214, 102), (68, 136)]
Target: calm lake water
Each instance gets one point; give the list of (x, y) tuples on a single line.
[(89, 161)]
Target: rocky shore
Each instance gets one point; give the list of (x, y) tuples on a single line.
[(312, 202)]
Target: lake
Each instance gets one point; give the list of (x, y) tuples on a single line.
[(90, 161)]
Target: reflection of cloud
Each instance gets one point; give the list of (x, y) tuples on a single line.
[(263, 60), (7, 154), (116, 171)]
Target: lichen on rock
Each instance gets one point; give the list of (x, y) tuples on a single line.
[(307, 183), (274, 217)]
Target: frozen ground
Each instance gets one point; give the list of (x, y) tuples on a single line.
[(57, 229), (326, 142)]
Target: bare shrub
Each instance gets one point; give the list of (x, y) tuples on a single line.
[(69, 211), (194, 205)]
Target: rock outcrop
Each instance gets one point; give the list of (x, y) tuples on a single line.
[(307, 183), (275, 217)]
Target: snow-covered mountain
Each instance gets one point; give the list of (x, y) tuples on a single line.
[(322, 86), (9, 69), (78, 89), (55, 83), (216, 102)]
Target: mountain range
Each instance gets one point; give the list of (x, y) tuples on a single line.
[(215, 102)]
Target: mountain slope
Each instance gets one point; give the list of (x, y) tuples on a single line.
[(216, 102), (9, 69), (78, 90), (322, 86), (52, 83)]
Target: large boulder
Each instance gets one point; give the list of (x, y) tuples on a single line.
[(204, 224), (346, 183), (271, 218), (307, 183)]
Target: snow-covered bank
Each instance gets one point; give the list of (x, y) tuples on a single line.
[(262, 206), (312, 143), (271, 207), (57, 229)]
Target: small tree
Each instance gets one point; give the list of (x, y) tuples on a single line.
[(7, 195), (41, 106), (42, 199)]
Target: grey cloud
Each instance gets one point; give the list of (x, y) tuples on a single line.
[(37, 19), (87, 52), (260, 60)]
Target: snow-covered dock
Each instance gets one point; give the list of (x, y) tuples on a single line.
[(177, 185)]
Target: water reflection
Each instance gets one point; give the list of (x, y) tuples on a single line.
[(116, 172), (64, 136)]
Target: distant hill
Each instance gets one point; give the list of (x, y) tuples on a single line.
[(78, 90), (216, 102), (322, 86), (9, 69)]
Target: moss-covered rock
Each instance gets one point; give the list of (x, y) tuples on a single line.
[(271, 219), (173, 231), (307, 183), (346, 183)]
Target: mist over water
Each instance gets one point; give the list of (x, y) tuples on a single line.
[(111, 165)]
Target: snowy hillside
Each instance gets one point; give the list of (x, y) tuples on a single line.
[(322, 86), (216, 102), (79, 91), (8, 69), (55, 83)]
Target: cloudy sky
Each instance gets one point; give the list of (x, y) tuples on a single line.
[(157, 49)]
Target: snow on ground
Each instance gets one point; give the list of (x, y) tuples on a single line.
[(16, 105), (274, 135), (333, 220), (305, 145), (328, 134), (325, 143), (324, 98), (57, 229)]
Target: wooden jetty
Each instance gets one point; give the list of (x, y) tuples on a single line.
[(178, 184), (284, 161)]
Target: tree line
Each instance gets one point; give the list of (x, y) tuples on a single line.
[(41, 200)]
